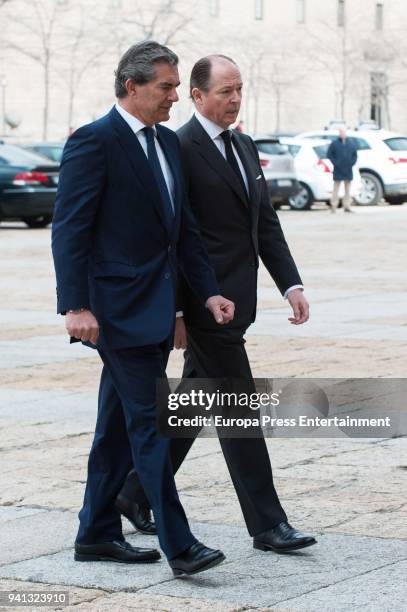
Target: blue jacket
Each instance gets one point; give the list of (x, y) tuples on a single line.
[(115, 250), (343, 156)]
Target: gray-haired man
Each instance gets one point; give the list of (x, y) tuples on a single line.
[(121, 228)]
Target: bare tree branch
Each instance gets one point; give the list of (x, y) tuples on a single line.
[(163, 21), (38, 18)]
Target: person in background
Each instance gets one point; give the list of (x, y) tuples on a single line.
[(343, 154)]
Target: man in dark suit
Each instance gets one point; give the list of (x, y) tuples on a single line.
[(120, 230), (229, 196)]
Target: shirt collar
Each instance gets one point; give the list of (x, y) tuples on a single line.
[(209, 126), (135, 124)]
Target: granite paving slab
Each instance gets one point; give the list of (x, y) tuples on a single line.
[(41, 533), (268, 580), (37, 350), (248, 578)]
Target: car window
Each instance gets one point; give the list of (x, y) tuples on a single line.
[(322, 136), (293, 149), (397, 144), (361, 143), (321, 151), (271, 148), (14, 156), (3, 162), (54, 153)]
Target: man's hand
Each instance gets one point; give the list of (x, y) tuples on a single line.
[(180, 334), (299, 305), (82, 325), (223, 310)]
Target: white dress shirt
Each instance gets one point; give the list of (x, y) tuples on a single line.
[(214, 132), (137, 126)]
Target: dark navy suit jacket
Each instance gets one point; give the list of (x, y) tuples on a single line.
[(115, 250)]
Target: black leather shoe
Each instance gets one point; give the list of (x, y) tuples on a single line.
[(283, 538), (197, 558), (121, 552), (138, 516)]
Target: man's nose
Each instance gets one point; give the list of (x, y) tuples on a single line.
[(236, 97), (174, 97)]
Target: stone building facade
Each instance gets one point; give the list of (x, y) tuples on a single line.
[(304, 62)]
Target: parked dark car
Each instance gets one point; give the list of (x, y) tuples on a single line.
[(28, 185), (51, 150)]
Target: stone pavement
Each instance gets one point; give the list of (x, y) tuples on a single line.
[(350, 492)]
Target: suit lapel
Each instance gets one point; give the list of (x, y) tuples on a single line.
[(215, 159), (139, 162)]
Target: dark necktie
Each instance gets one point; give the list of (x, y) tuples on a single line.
[(158, 173), (231, 157)]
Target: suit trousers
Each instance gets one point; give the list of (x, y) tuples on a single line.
[(126, 436), (221, 354)]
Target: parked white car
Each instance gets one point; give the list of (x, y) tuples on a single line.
[(382, 159), (278, 169), (315, 172)]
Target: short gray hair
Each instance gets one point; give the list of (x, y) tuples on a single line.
[(138, 64)]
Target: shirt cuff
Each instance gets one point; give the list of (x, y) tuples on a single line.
[(292, 288), (179, 313)]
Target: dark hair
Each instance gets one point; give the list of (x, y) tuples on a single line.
[(138, 64), (201, 72)]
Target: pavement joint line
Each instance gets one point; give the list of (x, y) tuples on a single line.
[(349, 520), (317, 490), (311, 461), (144, 589), (58, 394), (8, 449), (321, 588), (36, 507), (361, 514), (12, 520), (209, 601)]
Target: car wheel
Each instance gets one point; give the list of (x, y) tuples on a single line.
[(396, 200), (36, 222), (372, 190), (303, 200)]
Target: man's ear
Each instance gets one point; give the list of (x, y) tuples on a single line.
[(196, 95), (131, 87)]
